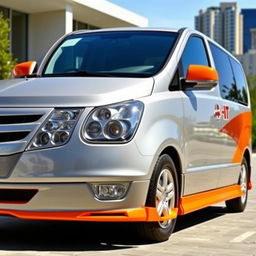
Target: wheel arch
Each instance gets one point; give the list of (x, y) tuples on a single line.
[(173, 153), (247, 157)]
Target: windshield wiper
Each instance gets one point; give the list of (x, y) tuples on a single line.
[(80, 73)]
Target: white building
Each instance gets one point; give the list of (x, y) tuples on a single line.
[(37, 24)]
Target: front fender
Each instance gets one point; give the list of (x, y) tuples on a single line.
[(161, 125)]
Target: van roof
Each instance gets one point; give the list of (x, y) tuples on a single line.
[(126, 29)]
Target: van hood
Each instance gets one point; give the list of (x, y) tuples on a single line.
[(72, 91)]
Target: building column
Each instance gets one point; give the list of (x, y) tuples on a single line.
[(45, 28), (68, 19)]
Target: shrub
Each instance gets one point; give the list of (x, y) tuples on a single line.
[(6, 60)]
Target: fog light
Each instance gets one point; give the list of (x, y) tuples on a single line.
[(110, 191)]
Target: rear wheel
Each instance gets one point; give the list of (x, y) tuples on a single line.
[(163, 195), (238, 204)]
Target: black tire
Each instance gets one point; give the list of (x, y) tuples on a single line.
[(161, 231), (238, 204)]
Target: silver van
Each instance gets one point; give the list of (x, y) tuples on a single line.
[(125, 125)]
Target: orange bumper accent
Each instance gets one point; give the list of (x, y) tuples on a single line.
[(198, 201), (145, 214)]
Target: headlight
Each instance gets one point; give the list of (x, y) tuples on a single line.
[(56, 130), (116, 123)]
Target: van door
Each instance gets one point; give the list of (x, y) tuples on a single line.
[(202, 143), (236, 125)]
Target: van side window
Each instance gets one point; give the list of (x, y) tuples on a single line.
[(232, 87), (194, 53), (241, 84)]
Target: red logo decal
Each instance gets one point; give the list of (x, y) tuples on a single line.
[(217, 112), (225, 112), (221, 112)]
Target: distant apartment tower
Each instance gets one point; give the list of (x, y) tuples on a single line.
[(223, 24), (248, 59), (249, 22), (209, 22), (253, 38)]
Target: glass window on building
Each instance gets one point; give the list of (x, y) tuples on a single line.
[(92, 27), (19, 32), (5, 12), (19, 36), (78, 25)]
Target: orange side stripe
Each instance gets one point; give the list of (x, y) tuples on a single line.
[(148, 214), (239, 128), (198, 201)]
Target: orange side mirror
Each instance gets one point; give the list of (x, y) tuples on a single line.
[(24, 69), (202, 76)]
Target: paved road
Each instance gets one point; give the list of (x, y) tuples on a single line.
[(208, 232)]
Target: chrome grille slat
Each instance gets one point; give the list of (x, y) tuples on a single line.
[(8, 148), (13, 136), (21, 111), (13, 119), (18, 126)]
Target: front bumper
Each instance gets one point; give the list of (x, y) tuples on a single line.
[(62, 176), (76, 202), (69, 197), (144, 214)]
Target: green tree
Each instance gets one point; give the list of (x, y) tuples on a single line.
[(6, 60), (252, 86)]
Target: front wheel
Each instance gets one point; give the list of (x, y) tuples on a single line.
[(163, 195), (238, 204)]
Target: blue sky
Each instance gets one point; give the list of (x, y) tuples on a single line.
[(173, 13)]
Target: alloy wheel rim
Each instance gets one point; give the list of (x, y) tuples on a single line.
[(165, 196)]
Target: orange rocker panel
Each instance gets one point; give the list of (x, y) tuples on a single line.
[(186, 205)]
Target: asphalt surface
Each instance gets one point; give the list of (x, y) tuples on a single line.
[(211, 231)]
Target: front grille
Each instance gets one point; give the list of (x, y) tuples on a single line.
[(18, 126), (18, 119), (12, 136), (16, 196)]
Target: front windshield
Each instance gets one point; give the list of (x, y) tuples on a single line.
[(127, 53)]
